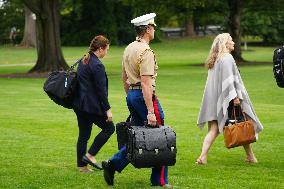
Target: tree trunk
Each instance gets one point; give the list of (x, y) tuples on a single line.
[(189, 26), (29, 39), (235, 7), (49, 52)]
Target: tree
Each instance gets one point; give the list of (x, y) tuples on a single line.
[(29, 39), (235, 7), (49, 52), (185, 11), (212, 13)]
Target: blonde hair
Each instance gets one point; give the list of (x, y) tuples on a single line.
[(218, 49)]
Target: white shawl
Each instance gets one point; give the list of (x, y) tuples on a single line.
[(223, 84)]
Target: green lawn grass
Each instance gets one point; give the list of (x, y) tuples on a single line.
[(38, 138)]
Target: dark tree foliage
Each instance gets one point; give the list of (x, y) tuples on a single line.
[(11, 15), (181, 10), (264, 19), (212, 13), (81, 20), (125, 30), (89, 18)]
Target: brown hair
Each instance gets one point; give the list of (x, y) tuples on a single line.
[(141, 30), (99, 41)]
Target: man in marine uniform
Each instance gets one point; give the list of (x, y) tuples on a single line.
[(139, 71)]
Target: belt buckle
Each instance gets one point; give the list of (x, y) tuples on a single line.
[(135, 87)]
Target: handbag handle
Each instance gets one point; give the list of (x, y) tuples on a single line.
[(240, 110)]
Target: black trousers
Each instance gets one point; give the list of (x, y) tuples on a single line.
[(85, 122)]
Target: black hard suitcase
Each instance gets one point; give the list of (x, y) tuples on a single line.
[(121, 132), (151, 147)]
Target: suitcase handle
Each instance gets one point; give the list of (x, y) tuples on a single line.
[(150, 126)]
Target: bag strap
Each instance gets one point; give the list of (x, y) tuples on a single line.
[(128, 118), (74, 65), (234, 114), (240, 110), (245, 117)]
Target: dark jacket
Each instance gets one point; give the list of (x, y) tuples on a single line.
[(92, 92)]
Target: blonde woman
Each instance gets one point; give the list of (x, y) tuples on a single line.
[(223, 85)]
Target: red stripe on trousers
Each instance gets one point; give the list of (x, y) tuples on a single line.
[(162, 175), (158, 117), (156, 111)]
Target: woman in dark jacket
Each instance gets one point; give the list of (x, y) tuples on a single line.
[(91, 103)]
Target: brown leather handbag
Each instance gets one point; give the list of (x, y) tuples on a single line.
[(239, 133)]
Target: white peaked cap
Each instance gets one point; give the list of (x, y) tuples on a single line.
[(144, 20)]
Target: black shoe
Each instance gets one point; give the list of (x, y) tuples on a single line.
[(88, 161), (108, 172)]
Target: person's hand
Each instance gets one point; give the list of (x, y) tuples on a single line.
[(237, 102), (109, 115), (151, 119)]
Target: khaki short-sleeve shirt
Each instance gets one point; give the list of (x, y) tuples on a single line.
[(139, 60)]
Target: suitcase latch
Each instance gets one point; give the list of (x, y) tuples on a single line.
[(156, 151), (140, 151), (172, 148)]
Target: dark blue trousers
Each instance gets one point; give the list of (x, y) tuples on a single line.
[(138, 109)]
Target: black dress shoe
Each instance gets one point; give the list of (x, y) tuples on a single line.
[(88, 161), (108, 172)]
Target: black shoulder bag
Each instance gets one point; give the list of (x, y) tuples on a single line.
[(60, 86)]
